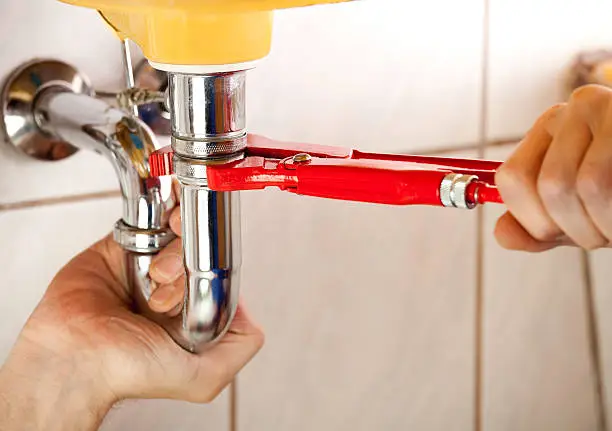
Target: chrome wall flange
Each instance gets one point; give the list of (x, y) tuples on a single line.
[(19, 95)]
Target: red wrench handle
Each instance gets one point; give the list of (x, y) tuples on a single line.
[(338, 173)]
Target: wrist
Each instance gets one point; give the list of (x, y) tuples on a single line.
[(40, 391)]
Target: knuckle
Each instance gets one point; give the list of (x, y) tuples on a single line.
[(512, 179), (544, 232), (511, 176), (548, 120), (554, 188), (591, 94), (591, 102), (593, 184), (552, 113)]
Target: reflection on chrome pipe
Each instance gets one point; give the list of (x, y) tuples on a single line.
[(212, 247), (208, 126), (127, 142), (208, 114), (91, 124)]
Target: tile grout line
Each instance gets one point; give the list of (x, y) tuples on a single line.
[(480, 218), (468, 147), (233, 407), (594, 340), (479, 322), (14, 206)]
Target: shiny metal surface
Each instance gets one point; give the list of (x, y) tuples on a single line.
[(453, 191), (136, 97), (212, 245), (208, 149), (127, 142), (210, 305), (204, 316), (18, 98), (446, 190), (157, 114), (141, 240), (208, 113), (133, 97), (208, 127), (193, 171), (302, 158), (459, 194), (128, 69)]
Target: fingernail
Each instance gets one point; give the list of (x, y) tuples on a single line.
[(169, 267)]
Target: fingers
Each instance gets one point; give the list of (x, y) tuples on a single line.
[(595, 184), (557, 182), (215, 369), (517, 179), (175, 222), (594, 179), (512, 236), (176, 188), (175, 216), (167, 271), (167, 266), (168, 298)]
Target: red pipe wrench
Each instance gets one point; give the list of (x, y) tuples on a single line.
[(352, 175)]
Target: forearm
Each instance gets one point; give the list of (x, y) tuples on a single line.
[(38, 394)]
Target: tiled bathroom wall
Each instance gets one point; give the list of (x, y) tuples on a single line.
[(376, 317)]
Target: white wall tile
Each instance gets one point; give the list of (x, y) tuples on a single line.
[(49, 29), (368, 312), (386, 75), (36, 243), (533, 43), (537, 364), (164, 415)]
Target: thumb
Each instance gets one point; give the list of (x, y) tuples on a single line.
[(511, 235)]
